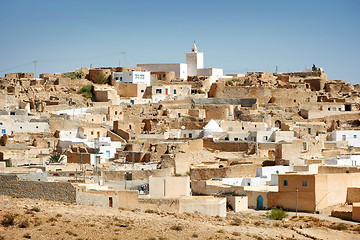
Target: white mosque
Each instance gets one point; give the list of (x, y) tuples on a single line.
[(194, 66)]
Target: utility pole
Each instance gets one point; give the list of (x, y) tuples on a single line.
[(297, 193), (277, 69), (35, 68)]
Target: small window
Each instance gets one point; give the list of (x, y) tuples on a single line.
[(339, 109), (142, 91), (236, 139), (104, 119), (117, 78), (226, 138), (48, 144), (174, 91), (20, 127), (355, 136), (285, 182), (190, 135), (1, 123), (92, 120), (179, 115), (304, 146), (115, 112), (304, 183), (158, 90), (329, 109), (37, 126), (120, 78), (92, 133), (163, 75)]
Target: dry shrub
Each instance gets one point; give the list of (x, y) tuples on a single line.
[(339, 226), (24, 224), (176, 228), (9, 220)]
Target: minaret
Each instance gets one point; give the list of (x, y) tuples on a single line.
[(194, 61)]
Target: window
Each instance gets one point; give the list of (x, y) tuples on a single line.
[(190, 135), (142, 91), (344, 137), (163, 75), (115, 112), (92, 133), (309, 130), (92, 120), (236, 139), (304, 183), (104, 119), (285, 182), (304, 146), (37, 126), (179, 115), (230, 128), (226, 138), (174, 91), (339, 109), (117, 78), (120, 78), (3, 131), (158, 90), (355, 136), (329, 109), (20, 127), (0, 123), (48, 144)]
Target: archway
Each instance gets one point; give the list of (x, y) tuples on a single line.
[(260, 202)]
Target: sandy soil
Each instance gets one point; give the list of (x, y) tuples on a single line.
[(56, 220)]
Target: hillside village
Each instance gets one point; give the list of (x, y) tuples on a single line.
[(182, 138)]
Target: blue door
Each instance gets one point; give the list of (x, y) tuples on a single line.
[(107, 154), (132, 101), (260, 201)]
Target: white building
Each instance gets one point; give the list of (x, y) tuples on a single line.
[(132, 77), (351, 136), (10, 126), (343, 160), (211, 128), (194, 61), (195, 66), (180, 69), (106, 147)]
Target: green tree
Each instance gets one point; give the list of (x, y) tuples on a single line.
[(56, 158)]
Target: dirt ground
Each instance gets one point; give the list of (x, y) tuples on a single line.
[(39, 219)]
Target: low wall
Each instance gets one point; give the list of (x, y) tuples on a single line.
[(345, 215), (226, 146), (246, 170), (159, 204), (55, 191), (136, 174)]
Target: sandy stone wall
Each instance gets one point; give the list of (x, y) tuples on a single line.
[(55, 191), (353, 195)]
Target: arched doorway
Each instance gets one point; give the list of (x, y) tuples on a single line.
[(260, 202), (278, 124)]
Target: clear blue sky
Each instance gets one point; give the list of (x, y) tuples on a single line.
[(237, 36)]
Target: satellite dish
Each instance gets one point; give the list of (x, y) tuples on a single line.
[(182, 127)]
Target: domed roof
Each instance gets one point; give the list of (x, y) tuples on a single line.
[(213, 126)]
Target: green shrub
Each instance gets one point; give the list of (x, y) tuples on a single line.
[(276, 214), (86, 91)]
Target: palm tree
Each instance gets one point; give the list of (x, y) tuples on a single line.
[(56, 158)]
